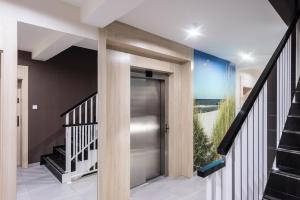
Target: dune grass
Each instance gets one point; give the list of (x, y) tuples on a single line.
[(224, 119)]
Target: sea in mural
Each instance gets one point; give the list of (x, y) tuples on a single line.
[(214, 105)]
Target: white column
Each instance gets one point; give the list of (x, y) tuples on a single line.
[(227, 177), (8, 107)]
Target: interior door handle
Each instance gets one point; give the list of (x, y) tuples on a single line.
[(18, 121), (167, 128)]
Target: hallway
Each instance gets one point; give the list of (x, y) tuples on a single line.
[(37, 183)]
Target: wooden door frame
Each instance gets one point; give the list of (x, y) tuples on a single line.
[(23, 77)]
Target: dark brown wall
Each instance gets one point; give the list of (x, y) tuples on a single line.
[(55, 86)]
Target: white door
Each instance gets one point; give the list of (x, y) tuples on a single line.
[(19, 125)]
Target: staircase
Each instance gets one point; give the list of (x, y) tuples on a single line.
[(284, 180), (268, 121), (78, 156)]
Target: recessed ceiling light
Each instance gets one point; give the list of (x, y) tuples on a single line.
[(194, 32), (248, 57)]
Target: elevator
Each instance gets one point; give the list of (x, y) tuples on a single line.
[(147, 132)]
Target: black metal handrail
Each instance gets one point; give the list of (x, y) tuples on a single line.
[(83, 124), (78, 104), (235, 127)]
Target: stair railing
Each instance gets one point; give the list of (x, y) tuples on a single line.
[(81, 136), (245, 145)]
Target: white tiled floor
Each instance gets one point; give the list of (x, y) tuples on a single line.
[(37, 183)]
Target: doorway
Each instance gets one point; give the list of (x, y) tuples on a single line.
[(147, 128), (19, 124), (22, 117)]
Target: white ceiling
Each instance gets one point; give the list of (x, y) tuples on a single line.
[(74, 2), (29, 36), (35, 38), (229, 26)]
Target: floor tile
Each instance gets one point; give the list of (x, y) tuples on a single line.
[(36, 183)]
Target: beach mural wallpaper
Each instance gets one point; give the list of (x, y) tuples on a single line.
[(214, 104)]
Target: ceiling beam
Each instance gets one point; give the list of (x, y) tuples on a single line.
[(54, 44), (101, 13)]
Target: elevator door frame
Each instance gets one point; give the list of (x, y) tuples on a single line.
[(141, 74)]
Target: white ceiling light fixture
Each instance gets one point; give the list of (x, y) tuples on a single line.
[(194, 32), (247, 57)]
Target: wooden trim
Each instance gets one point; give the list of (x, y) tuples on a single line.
[(8, 107), (125, 38), (102, 110), (121, 48), (23, 76), (115, 171)]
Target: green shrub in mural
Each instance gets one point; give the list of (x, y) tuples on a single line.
[(202, 146), (224, 119)]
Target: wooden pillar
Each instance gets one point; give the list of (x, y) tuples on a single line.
[(180, 106), (8, 107), (114, 126), (101, 112)]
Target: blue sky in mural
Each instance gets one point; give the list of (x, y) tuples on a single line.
[(214, 78)]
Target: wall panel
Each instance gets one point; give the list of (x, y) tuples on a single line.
[(115, 134), (8, 107)]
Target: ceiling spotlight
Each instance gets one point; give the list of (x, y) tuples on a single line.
[(247, 56), (194, 32)]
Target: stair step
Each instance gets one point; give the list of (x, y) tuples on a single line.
[(52, 165), (292, 124), (282, 185), (290, 140), (275, 195), (298, 85), (297, 95), (288, 160), (295, 109), (60, 163), (60, 151)]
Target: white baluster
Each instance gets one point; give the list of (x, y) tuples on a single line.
[(91, 111), (238, 167), (76, 147), (67, 119), (218, 184), (250, 154), (74, 116), (97, 110), (85, 112), (80, 111), (87, 130), (244, 160), (211, 187), (227, 178), (260, 144), (255, 150), (68, 154), (82, 144), (80, 148)]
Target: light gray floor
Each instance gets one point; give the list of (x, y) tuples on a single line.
[(36, 183)]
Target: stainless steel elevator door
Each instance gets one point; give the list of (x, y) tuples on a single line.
[(145, 130)]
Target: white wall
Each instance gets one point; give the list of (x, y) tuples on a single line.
[(8, 107), (50, 14), (245, 78)]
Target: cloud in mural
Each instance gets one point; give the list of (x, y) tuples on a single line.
[(214, 78)]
